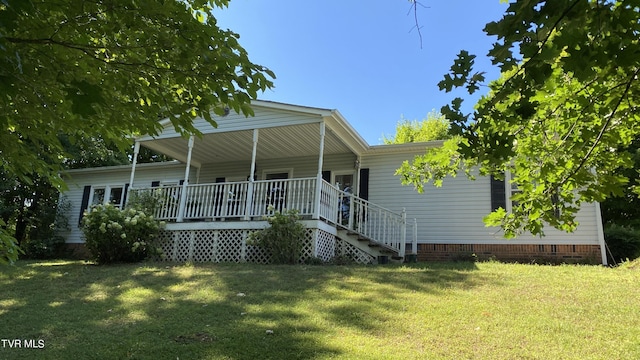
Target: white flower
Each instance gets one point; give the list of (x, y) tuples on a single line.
[(123, 235)]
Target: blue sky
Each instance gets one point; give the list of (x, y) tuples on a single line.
[(363, 58)]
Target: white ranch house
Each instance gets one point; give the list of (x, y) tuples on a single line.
[(310, 159)]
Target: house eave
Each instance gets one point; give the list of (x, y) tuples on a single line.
[(308, 110), (338, 124)]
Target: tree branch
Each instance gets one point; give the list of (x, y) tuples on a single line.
[(414, 8), (604, 127)]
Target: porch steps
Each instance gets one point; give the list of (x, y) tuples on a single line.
[(368, 245)]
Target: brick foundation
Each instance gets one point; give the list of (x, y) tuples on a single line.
[(511, 252)]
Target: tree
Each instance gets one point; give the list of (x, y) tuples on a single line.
[(559, 119), (110, 68), (624, 209), (434, 127)]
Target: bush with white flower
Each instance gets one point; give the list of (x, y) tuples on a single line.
[(115, 235)]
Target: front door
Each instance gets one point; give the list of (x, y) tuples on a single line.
[(344, 182), (277, 191)]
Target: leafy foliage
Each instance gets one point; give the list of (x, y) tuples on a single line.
[(108, 69), (434, 127), (46, 241), (623, 242), (9, 249), (283, 239), (624, 209), (146, 201), (559, 119), (33, 215), (111, 68), (114, 235)]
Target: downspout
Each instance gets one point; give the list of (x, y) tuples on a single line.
[(600, 234), (250, 187), (183, 193), (136, 151), (316, 212)]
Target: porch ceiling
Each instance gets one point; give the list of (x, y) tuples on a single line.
[(278, 142)]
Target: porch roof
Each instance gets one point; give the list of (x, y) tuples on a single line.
[(285, 131)]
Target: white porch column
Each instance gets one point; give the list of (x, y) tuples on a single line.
[(183, 193), (316, 211), (254, 151), (136, 151), (356, 180), (355, 193)]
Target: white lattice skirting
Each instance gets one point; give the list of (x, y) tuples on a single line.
[(229, 245)]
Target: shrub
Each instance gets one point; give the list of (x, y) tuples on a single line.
[(146, 201), (46, 241), (623, 242), (48, 248), (114, 235), (283, 239)]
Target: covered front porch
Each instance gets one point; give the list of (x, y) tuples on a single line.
[(284, 158), (253, 201)]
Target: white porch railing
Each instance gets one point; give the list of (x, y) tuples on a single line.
[(373, 221), (280, 195), (232, 201), (212, 201)]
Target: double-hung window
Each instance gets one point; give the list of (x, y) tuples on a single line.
[(108, 194)]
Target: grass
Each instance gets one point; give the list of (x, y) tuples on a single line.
[(425, 310)]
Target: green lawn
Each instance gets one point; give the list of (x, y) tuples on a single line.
[(425, 311)]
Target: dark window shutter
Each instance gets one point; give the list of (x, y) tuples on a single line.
[(498, 195), (326, 176), (124, 197), (220, 180), (85, 202), (155, 184), (364, 184)]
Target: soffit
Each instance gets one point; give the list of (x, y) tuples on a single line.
[(273, 143)]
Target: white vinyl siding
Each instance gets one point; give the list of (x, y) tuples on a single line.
[(108, 176), (453, 213)]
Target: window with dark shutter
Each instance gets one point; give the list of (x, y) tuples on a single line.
[(85, 202), (364, 184), (498, 195), (326, 176)]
